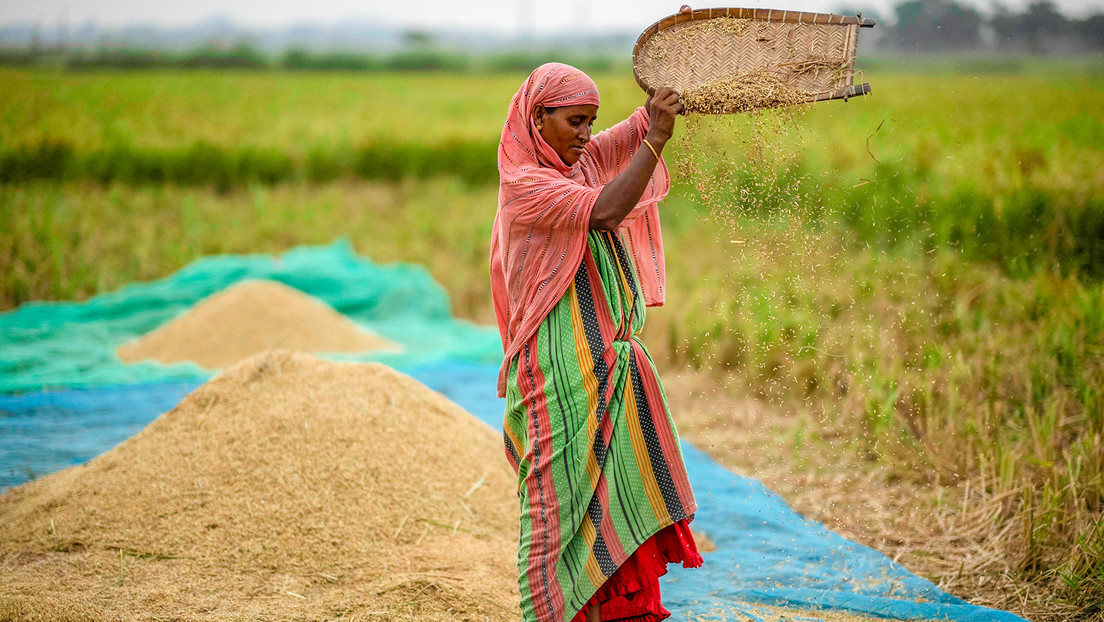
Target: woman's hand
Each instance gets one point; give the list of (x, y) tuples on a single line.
[(662, 106)]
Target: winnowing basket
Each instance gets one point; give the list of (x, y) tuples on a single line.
[(812, 52)]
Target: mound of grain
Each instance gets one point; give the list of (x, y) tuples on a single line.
[(246, 319), (286, 488), (742, 93)]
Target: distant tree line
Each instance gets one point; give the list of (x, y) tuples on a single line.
[(917, 25), (246, 56), (419, 52), (935, 25)]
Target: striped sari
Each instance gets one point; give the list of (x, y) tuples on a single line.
[(588, 431)]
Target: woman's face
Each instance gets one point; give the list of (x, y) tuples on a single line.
[(566, 129)]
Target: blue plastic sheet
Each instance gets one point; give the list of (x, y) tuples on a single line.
[(45, 432), (766, 554)]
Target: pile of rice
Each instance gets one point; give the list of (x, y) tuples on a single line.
[(286, 488), (247, 319)]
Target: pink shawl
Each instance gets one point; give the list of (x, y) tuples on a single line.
[(540, 229)]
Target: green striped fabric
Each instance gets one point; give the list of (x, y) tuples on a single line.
[(589, 433)]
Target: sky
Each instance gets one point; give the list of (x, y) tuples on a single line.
[(502, 16)]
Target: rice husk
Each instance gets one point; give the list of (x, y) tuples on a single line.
[(246, 319), (286, 488), (741, 93)]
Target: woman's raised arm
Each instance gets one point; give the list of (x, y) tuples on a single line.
[(621, 195)]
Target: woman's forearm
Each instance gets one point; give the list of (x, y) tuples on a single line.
[(621, 195)]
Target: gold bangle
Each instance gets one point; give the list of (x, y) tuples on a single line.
[(652, 148)]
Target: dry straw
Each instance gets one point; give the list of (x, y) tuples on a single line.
[(952, 535)]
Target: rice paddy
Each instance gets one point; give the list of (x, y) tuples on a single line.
[(910, 282)]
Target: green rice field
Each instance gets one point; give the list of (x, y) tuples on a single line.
[(920, 271)]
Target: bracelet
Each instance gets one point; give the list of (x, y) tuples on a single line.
[(656, 154)]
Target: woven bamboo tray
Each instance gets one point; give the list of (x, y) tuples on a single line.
[(813, 52)]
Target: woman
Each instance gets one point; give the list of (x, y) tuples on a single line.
[(576, 255)]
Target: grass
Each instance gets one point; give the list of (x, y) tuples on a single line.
[(933, 303), (75, 240), (1042, 125), (941, 370), (998, 184)]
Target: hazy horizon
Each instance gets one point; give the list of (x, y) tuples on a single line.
[(503, 17)]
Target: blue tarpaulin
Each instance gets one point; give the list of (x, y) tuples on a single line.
[(766, 554)]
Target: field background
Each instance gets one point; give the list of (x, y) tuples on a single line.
[(910, 300)]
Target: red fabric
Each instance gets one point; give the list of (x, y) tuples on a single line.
[(632, 593), (544, 205)]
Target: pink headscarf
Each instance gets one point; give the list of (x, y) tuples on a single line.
[(544, 206)]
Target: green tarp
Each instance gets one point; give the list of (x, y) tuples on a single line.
[(65, 344)]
